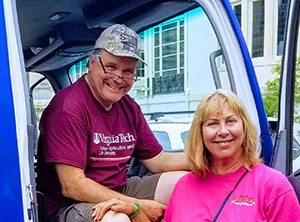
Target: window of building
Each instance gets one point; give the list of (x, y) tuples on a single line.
[(282, 12), (258, 27), (169, 57), (238, 12), (141, 66)]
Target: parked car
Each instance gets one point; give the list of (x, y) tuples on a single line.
[(170, 133)]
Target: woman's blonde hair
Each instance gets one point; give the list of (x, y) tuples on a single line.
[(197, 154)]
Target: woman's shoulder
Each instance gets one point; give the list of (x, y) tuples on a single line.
[(187, 179), (271, 178), (261, 168)]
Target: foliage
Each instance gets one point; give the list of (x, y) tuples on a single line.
[(270, 95), (39, 108)]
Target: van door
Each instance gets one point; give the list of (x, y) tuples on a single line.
[(16, 185), (287, 152)]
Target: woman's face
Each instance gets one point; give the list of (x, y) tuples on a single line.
[(223, 135)]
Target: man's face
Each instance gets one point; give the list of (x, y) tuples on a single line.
[(108, 87)]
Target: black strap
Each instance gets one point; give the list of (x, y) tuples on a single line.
[(226, 199)]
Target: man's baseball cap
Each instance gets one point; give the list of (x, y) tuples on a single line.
[(120, 40)]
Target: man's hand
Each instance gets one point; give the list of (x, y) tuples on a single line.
[(153, 209), (153, 212), (116, 205)]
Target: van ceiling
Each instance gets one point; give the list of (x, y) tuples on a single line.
[(45, 41)]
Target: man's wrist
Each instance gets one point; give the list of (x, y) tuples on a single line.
[(138, 207)]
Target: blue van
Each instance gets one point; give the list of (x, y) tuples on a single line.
[(192, 47)]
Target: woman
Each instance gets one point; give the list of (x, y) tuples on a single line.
[(228, 182)]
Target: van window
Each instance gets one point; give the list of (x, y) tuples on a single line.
[(296, 130), (78, 70), (41, 92)]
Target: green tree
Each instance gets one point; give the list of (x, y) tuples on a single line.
[(39, 108), (270, 95)]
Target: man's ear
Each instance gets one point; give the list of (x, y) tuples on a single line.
[(91, 62)]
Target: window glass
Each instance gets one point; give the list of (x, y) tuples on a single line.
[(282, 13), (182, 47), (238, 12), (78, 70), (163, 139), (141, 65), (169, 49), (296, 130), (41, 93), (169, 26), (141, 68), (169, 73), (258, 26), (169, 62), (181, 60), (156, 52), (169, 36), (170, 133), (157, 67), (156, 39), (181, 32)]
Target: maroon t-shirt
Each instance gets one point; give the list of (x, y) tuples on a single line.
[(76, 130)]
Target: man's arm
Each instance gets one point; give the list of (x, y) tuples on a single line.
[(75, 185), (165, 162)]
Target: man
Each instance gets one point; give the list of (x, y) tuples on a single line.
[(91, 129)]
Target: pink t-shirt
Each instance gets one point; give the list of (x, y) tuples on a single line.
[(76, 130), (263, 195)]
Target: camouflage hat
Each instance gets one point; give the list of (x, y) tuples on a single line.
[(120, 40)]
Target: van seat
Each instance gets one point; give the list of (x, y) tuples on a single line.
[(294, 179)]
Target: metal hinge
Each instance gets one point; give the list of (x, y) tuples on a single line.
[(31, 210)]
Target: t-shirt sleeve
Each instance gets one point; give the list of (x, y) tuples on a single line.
[(284, 205), (147, 145), (65, 140)]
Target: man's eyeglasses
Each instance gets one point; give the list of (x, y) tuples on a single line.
[(125, 78)]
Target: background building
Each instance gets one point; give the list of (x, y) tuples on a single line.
[(262, 23)]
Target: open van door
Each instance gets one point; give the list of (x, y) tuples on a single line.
[(283, 156), (286, 157), (17, 186)]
